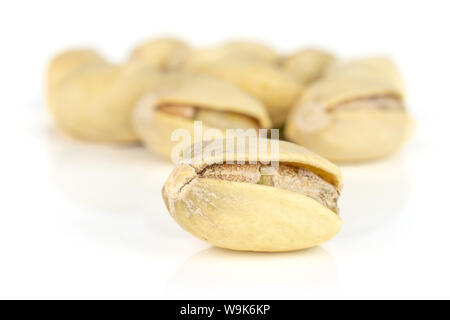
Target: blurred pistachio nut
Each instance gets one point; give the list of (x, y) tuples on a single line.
[(233, 49), (268, 83), (183, 98), (64, 64), (163, 53), (252, 48), (373, 69), (351, 117), (254, 206), (95, 102), (307, 65)]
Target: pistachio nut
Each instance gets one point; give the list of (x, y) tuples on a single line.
[(308, 65), (247, 49), (95, 101), (64, 64), (375, 69), (267, 82), (182, 98), (163, 53), (253, 49), (353, 115), (254, 206)]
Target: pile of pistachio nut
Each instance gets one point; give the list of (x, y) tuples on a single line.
[(327, 109)]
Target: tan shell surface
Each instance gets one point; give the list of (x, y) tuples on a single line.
[(235, 49), (68, 61), (330, 92), (242, 216), (252, 48), (276, 89), (308, 65), (163, 53), (251, 217), (65, 63), (374, 69), (95, 103), (155, 127), (317, 123), (354, 135)]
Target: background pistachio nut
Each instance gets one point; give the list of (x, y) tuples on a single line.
[(308, 65), (354, 117), (253, 49), (95, 102), (248, 49), (374, 69), (64, 64), (275, 88), (254, 206), (163, 53), (181, 99)]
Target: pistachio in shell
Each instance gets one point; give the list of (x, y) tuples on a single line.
[(183, 98), (252, 206), (163, 53), (308, 65), (95, 101), (354, 116)]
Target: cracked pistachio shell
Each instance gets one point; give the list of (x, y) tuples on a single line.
[(64, 64), (155, 127), (308, 65), (95, 103), (348, 135), (252, 217), (274, 87), (163, 53)]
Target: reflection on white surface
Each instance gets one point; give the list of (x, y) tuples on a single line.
[(105, 177), (374, 193), (117, 190), (215, 268)]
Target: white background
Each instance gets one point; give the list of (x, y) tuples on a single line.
[(80, 220)]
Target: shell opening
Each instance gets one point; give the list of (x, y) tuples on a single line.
[(314, 116), (285, 176), (214, 118)]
